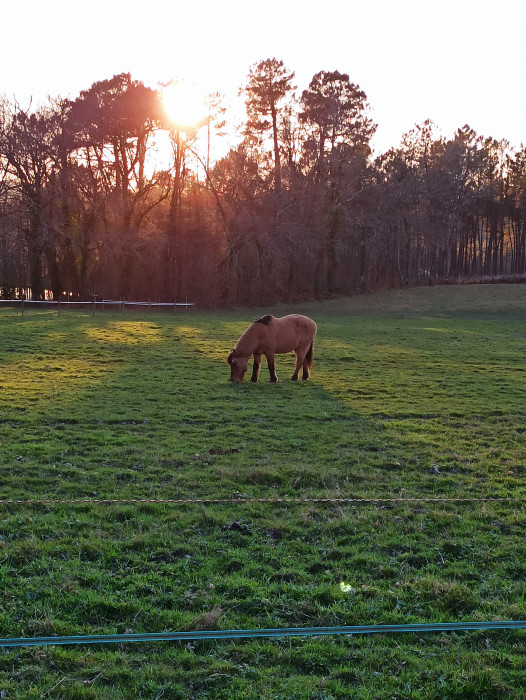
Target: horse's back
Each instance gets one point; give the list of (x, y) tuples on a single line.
[(292, 331), (304, 323)]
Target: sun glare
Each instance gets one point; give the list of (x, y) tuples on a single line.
[(184, 105)]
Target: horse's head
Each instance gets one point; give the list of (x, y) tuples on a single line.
[(238, 366)]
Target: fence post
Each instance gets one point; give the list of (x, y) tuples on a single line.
[(59, 306), (93, 306), (23, 302)]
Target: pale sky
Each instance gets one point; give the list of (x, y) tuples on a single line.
[(452, 61)]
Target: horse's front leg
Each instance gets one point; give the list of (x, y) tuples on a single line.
[(256, 367), (272, 368)]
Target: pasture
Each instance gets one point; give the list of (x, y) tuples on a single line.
[(417, 393)]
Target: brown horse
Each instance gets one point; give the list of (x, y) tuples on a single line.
[(270, 336)]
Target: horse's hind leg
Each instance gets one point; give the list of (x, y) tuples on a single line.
[(308, 360), (303, 359), (300, 361)]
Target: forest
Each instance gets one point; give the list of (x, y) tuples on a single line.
[(298, 209)]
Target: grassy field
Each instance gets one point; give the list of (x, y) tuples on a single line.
[(414, 394)]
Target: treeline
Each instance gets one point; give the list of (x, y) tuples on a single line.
[(299, 209)]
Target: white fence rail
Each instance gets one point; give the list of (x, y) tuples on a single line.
[(119, 304)]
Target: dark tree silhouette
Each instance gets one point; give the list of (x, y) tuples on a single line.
[(268, 84), (298, 209)]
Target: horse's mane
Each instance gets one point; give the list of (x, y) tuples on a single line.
[(265, 320)]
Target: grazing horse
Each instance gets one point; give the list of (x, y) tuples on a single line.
[(270, 336)]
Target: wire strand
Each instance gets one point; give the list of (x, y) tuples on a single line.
[(245, 500)]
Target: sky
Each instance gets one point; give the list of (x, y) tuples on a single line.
[(455, 62)]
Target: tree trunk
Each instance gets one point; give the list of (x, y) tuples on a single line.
[(277, 162)]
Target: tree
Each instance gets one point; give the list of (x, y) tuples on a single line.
[(12, 277), (29, 151), (335, 110), (110, 128), (215, 121), (335, 158), (182, 136), (268, 84), (517, 210)]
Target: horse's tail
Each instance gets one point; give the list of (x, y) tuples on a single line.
[(309, 357)]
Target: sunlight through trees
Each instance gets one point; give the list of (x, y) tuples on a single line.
[(297, 209)]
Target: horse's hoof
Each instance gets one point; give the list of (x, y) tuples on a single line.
[(293, 378)]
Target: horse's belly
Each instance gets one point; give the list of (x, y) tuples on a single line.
[(288, 343)]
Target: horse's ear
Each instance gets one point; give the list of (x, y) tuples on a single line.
[(230, 358)]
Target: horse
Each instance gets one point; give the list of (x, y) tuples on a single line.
[(271, 336)]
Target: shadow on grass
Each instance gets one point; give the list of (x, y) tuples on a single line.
[(141, 407)]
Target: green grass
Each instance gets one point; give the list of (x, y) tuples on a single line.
[(414, 394)]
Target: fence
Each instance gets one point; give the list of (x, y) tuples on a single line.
[(102, 303)]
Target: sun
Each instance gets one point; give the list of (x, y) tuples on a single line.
[(184, 105)]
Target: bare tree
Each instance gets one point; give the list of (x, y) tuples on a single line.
[(28, 149)]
